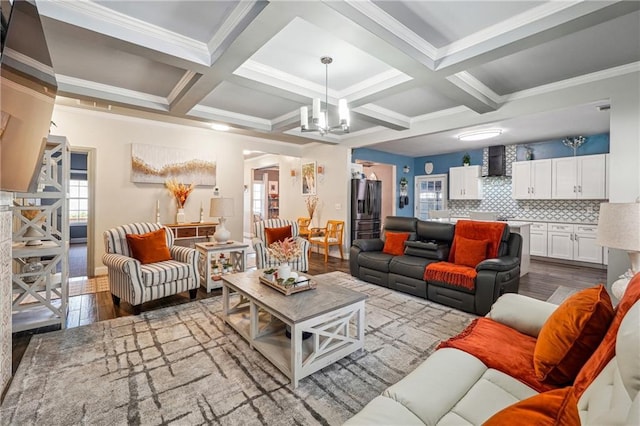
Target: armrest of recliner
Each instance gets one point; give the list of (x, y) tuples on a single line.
[(499, 264), (303, 243), (121, 263), (184, 254), (369, 244)]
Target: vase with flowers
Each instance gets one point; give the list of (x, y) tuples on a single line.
[(284, 251), (312, 205), (180, 192)]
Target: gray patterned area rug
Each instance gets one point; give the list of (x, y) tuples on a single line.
[(183, 365)]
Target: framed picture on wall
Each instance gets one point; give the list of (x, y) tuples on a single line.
[(309, 178), (273, 187)]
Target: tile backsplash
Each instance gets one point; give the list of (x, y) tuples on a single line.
[(497, 197)]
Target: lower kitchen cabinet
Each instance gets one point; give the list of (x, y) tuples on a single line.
[(538, 237), (573, 242)]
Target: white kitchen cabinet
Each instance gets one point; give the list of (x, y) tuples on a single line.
[(538, 237), (573, 242), (465, 183), (531, 180), (581, 177)]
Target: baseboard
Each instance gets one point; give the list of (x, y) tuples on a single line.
[(100, 270), (569, 262)]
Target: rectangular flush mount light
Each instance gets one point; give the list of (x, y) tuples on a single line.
[(479, 135)]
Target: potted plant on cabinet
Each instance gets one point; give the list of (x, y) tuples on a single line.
[(466, 159)]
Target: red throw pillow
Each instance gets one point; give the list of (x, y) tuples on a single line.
[(470, 252), (394, 243), (150, 247), (552, 408), (277, 234), (571, 335)]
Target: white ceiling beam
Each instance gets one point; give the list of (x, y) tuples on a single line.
[(516, 34)]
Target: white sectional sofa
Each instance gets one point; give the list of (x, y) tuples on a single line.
[(453, 387)]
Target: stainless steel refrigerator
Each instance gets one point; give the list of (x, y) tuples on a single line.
[(366, 205)]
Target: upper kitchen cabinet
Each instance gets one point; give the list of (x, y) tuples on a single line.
[(531, 180), (465, 183), (581, 177)]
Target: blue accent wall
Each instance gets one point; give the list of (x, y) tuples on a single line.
[(594, 144), (367, 154)]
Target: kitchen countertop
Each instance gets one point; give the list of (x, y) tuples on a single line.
[(511, 223), (575, 222)]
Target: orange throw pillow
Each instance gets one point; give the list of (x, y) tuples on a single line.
[(150, 247), (394, 243), (552, 408), (470, 252), (571, 335), (277, 234)]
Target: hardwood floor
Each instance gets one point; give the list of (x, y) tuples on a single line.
[(542, 280)]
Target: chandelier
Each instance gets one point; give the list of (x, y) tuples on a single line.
[(320, 118)]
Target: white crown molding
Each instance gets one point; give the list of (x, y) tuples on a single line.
[(180, 85), (231, 117), (386, 115), (546, 10), (98, 18), (114, 92), (27, 60), (242, 9), (265, 74), (388, 22), (573, 82)]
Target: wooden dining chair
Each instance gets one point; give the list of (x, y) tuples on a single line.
[(303, 226), (331, 235)]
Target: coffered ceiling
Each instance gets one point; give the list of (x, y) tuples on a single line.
[(400, 64)]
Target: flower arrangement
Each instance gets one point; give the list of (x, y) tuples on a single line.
[(180, 191), (312, 203), (285, 250), (31, 213)]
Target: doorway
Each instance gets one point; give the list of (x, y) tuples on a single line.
[(431, 194), (81, 220)]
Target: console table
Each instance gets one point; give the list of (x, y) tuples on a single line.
[(187, 234)]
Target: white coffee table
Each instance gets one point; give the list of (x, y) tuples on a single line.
[(237, 254), (334, 315)]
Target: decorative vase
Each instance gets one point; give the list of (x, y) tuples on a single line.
[(180, 216), (33, 266), (34, 231), (284, 270)]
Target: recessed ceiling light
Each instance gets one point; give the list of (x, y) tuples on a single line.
[(479, 135), (219, 127)]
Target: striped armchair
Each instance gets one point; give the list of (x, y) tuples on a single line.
[(137, 283), (262, 255)]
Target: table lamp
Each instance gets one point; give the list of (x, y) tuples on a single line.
[(619, 228), (221, 208)]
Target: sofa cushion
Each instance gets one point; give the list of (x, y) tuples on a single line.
[(522, 313), (277, 234), (375, 260), (394, 242), (428, 250), (571, 334), (163, 272), (435, 231), (500, 347), (384, 411), (549, 408), (150, 247), (409, 266), (628, 351), (605, 352), (470, 252)]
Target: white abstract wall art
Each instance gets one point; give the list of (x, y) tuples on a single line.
[(157, 164)]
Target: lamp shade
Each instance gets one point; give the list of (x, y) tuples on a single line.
[(619, 226), (221, 207)]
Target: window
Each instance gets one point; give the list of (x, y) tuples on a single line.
[(258, 200), (78, 201)]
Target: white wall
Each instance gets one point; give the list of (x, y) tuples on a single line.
[(118, 200)]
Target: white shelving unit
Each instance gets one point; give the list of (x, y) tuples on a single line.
[(40, 271)]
